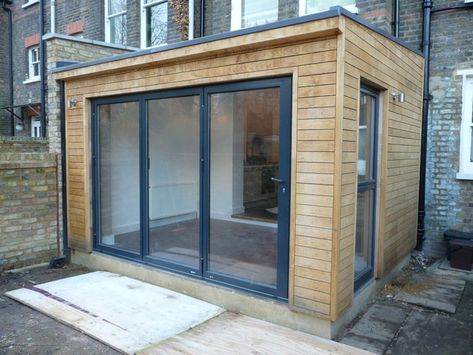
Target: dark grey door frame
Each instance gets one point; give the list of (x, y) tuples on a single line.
[(285, 86), (370, 184)]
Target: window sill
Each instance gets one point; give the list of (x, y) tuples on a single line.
[(464, 176), (30, 81), (28, 4)]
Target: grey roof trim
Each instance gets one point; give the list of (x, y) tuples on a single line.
[(332, 12), (50, 36)]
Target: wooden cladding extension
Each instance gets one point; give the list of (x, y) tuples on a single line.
[(371, 59), (326, 59)]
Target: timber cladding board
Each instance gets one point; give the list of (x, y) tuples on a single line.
[(370, 58), (324, 147)]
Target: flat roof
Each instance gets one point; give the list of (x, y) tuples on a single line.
[(332, 12)]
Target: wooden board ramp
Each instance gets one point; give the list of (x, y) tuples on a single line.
[(231, 333), (126, 314)]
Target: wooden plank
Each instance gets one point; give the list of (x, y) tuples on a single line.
[(239, 334)]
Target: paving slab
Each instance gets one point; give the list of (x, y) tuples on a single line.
[(442, 268), (232, 333), (432, 291), (428, 332), (126, 314), (376, 328)]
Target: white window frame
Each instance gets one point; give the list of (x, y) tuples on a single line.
[(107, 23), (466, 165), (31, 77), (237, 13), (303, 6), (35, 127), (143, 21), (29, 3)]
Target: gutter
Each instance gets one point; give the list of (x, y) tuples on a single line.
[(396, 18), (427, 8), (202, 17), (42, 53), (60, 261), (10, 60)]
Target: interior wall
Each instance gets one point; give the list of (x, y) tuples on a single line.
[(123, 161), (226, 156), (174, 146)]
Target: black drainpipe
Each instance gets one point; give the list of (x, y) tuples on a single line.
[(202, 17), (60, 261), (10, 60), (42, 53), (425, 118), (396, 18), (426, 31)]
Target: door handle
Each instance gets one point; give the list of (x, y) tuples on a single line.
[(279, 181)]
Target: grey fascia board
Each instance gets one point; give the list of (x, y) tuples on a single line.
[(332, 12), (51, 36)]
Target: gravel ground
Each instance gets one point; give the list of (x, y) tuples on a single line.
[(26, 331)]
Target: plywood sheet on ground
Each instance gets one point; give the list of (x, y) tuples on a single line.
[(232, 333), (127, 314)]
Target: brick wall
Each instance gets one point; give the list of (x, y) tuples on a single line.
[(5, 126), (13, 145), (410, 29), (28, 199), (25, 25), (378, 12), (63, 49), (217, 16), (449, 202), (90, 12)]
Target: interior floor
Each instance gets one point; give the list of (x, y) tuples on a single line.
[(259, 214), (241, 250)]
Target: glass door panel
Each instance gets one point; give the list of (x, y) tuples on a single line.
[(119, 174), (174, 180), (365, 140), (244, 170), (363, 228)]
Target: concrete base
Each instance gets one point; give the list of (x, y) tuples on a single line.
[(238, 301), (230, 299)]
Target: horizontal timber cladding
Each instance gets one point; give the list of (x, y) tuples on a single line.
[(326, 60), (372, 59), (312, 64)]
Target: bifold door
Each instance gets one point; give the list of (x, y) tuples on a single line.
[(197, 181)]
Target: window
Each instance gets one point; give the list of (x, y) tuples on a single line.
[(35, 127), (27, 3), (249, 13), (154, 23), (33, 65), (313, 6), (466, 135), (115, 21), (366, 191)]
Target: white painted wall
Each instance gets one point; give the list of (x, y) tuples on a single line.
[(227, 158), (124, 170), (174, 139)]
